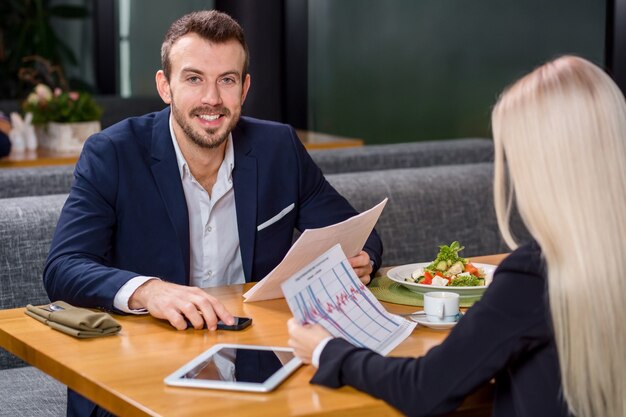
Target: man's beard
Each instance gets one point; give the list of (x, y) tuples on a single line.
[(208, 138)]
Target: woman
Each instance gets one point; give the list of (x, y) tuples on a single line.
[(548, 329)]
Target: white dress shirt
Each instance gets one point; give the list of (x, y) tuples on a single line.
[(213, 233)]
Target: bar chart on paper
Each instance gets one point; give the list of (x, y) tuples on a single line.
[(328, 292)]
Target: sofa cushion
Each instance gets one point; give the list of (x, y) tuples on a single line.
[(28, 392), (404, 155)]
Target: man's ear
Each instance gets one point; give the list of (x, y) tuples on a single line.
[(246, 87), (163, 87)]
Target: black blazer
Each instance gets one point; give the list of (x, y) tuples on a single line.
[(507, 335)]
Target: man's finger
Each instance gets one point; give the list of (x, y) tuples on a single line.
[(176, 319), (193, 314), (208, 315), (360, 260), (221, 312)]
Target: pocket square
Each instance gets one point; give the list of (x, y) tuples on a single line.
[(276, 218), (75, 321)]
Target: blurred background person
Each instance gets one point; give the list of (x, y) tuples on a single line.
[(5, 128)]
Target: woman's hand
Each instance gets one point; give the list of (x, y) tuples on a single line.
[(304, 339)]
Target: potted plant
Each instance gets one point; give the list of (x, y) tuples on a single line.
[(63, 118)]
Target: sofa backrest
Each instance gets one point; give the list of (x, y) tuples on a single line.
[(404, 155), (26, 228), (17, 182), (20, 182), (429, 207)]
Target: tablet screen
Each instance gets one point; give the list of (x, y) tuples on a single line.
[(240, 364), (237, 367)]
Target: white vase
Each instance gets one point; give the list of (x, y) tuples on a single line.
[(66, 137)]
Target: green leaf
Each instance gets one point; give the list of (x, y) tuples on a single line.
[(465, 281), (449, 254)]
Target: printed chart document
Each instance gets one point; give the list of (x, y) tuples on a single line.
[(351, 234), (328, 292)]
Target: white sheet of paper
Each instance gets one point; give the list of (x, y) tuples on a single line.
[(351, 234), (328, 292)]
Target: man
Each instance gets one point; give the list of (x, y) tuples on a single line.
[(192, 196)]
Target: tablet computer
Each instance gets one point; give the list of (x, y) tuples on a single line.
[(237, 367)]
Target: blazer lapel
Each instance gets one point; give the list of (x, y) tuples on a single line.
[(245, 185), (167, 176)]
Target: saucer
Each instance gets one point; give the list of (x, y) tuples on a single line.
[(423, 321)]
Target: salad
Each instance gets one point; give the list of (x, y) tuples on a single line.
[(449, 269)]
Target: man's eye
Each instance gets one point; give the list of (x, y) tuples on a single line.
[(228, 81), (194, 80)]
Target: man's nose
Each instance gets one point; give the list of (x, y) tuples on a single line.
[(212, 95)]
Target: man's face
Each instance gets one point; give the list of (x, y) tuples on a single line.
[(205, 89)]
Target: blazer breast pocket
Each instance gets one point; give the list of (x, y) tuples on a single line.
[(276, 217)]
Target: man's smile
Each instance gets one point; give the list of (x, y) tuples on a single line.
[(212, 118), (209, 117)]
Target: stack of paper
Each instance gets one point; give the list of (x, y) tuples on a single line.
[(328, 292)]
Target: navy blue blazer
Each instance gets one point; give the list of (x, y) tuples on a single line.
[(507, 335), (126, 213)]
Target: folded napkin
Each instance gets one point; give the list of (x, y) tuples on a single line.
[(75, 321)]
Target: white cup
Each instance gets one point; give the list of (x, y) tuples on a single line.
[(441, 306)]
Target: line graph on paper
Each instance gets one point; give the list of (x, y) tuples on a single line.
[(328, 292)]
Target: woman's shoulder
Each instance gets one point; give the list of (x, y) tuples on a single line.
[(526, 259), (519, 283)]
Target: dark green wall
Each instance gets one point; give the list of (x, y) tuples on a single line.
[(404, 70)]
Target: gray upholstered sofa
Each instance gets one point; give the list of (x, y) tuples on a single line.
[(26, 227), (427, 207), (17, 182), (404, 155), (21, 182)]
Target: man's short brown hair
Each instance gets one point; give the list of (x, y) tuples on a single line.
[(211, 25)]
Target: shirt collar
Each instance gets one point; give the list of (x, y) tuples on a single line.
[(183, 167)]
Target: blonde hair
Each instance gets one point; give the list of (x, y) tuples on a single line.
[(560, 156)]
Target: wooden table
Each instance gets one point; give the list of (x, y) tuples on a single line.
[(124, 373), (46, 157), (38, 157), (315, 140)]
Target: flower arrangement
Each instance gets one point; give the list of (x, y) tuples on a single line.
[(63, 118), (60, 106)]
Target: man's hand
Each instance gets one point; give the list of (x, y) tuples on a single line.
[(174, 302), (304, 339), (362, 266)]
